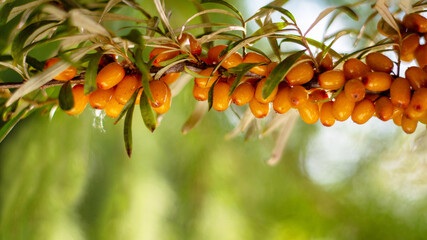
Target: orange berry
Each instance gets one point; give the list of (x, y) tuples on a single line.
[(379, 63), (377, 81), (354, 68), (417, 77), (170, 77), (271, 66), (258, 92), (259, 110), (80, 100), (397, 116), (200, 94), (138, 97), (400, 92), (188, 42), (412, 113), (206, 82), (409, 125), (298, 95), (113, 108), (415, 22), (213, 53), (355, 90), (221, 99), (372, 97), (300, 74), (65, 75), (332, 80), (342, 107), (253, 57), (167, 104), (421, 55), (232, 61), (162, 54), (160, 91), (126, 88), (409, 45), (384, 108), (363, 111), (419, 100), (423, 119), (282, 103), (326, 116), (317, 95), (243, 94), (309, 112), (110, 76), (326, 63), (99, 98)]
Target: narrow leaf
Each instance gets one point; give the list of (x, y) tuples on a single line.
[(279, 72), (210, 94), (91, 72), (81, 20), (164, 18), (240, 72), (127, 129), (144, 69), (108, 7), (326, 12), (224, 3), (192, 73), (172, 60), (282, 11), (196, 117), (244, 123), (135, 36), (7, 127), (147, 113), (385, 13), (66, 101), (129, 104)]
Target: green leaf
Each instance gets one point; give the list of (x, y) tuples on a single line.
[(144, 69), (7, 127), (240, 72), (135, 36), (128, 105), (91, 72), (279, 72), (33, 62), (9, 111), (271, 27), (66, 100), (224, 3), (326, 12), (172, 60), (5, 10), (210, 94), (264, 11), (147, 113), (192, 73), (282, 11), (127, 129)]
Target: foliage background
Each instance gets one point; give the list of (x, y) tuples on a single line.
[(70, 178)]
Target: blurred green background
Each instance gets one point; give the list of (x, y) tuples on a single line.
[(70, 178)]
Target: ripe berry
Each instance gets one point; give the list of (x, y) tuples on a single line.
[(377, 81), (206, 82), (417, 77), (354, 68), (258, 92), (379, 63), (200, 94), (298, 96), (188, 42), (80, 100), (113, 108), (415, 22), (243, 94), (126, 88), (282, 103), (384, 108), (326, 63), (213, 53), (309, 112), (332, 80), (99, 98), (162, 54), (409, 125), (419, 100), (170, 77), (400, 92), (110, 76), (259, 110), (342, 107), (355, 90), (232, 61), (409, 45), (421, 55), (221, 99), (326, 116), (397, 116), (300, 74), (317, 95), (65, 75), (253, 57), (363, 111), (167, 104), (412, 113), (159, 90)]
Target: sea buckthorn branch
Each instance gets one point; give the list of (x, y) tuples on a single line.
[(328, 86)]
